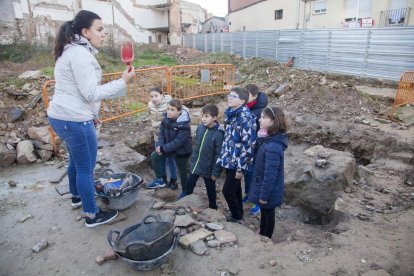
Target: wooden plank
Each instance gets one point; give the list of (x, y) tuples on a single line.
[(199, 234)]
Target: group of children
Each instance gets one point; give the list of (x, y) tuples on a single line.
[(251, 146)]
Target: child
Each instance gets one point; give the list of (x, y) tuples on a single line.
[(237, 151), (174, 141), (157, 107), (268, 185), (209, 139), (257, 101)]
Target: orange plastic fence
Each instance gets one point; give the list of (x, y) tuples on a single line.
[(183, 82), (196, 81), (405, 91)]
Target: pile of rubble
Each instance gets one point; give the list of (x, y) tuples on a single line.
[(200, 228), (24, 135)]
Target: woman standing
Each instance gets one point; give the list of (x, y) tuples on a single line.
[(268, 181), (75, 106)]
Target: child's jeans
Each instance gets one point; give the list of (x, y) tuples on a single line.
[(210, 186), (80, 140), (180, 161), (169, 166)]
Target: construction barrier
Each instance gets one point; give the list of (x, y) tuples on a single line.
[(184, 82), (196, 81), (405, 91)]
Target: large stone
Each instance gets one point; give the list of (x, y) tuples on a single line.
[(406, 114), (211, 215), (167, 215), (199, 234), (376, 92), (198, 247), (45, 155), (192, 200), (7, 155), (315, 189), (184, 221), (224, 236), (40, 134), (12, 114), (122, 157), (30, 74), (40, 145), (25, 152)]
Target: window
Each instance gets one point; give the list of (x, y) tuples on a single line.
[(319, 7), (278, 14)]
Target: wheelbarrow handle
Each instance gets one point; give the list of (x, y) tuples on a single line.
[(147, 244), (110, 236)]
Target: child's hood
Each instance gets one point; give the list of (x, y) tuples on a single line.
[(184, 117)]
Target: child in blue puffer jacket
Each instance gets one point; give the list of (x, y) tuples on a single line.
[(268, 184)]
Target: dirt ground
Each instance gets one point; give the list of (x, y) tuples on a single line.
[(321, 109)]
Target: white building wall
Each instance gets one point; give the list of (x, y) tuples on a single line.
[(103, 9), (148, 18)]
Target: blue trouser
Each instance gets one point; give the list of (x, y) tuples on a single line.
[(80, 140), (170, 167)]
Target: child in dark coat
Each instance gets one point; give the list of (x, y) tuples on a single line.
[(209, 139), (174, 141), (257, 101), (268, 185)]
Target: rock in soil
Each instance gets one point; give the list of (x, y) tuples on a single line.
[(40, 246)]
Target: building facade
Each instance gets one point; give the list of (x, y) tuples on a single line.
[(253, 15), (142, 21)]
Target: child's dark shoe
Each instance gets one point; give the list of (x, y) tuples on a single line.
[(173, 184)]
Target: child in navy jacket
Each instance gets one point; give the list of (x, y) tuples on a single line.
[(268, 185)]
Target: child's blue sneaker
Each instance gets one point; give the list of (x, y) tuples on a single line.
[(245, 199), (255, 210), (156, 183)]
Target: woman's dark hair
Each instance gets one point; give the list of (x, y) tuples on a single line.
[(276, 114), (176, 103), (83, 19)]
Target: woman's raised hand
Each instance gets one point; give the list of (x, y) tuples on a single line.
[(128, 74)]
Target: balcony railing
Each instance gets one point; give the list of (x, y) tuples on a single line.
[(397, 17)]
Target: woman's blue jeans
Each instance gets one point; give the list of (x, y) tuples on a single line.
[(80, 140)]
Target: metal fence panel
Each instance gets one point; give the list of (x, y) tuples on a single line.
[(315, 50), (237, 43), (200, 43), (289, 45), (373, 52), (250, 44), (267, 44)]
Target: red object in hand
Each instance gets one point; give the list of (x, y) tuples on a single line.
[(127, 53)]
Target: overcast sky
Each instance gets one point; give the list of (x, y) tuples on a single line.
[(216, 7)]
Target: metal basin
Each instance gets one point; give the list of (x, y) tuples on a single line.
[(144, 241)]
